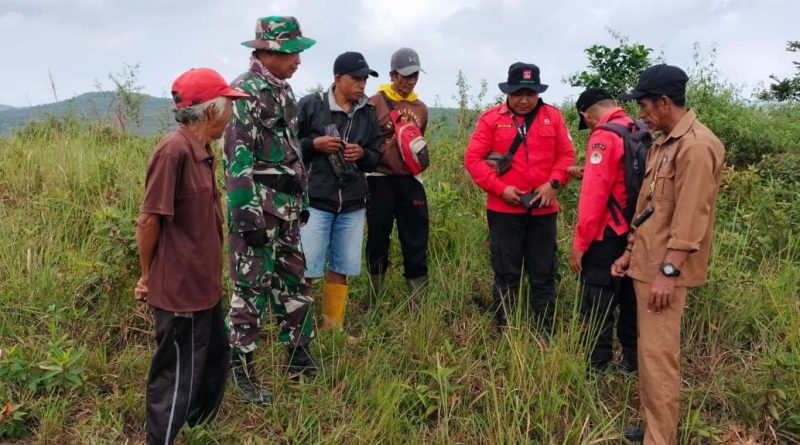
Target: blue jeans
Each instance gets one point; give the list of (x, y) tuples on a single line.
[(338, 237)]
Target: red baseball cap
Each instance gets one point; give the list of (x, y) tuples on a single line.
[(199, 85)]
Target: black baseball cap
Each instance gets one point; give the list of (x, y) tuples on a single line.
[(588, 98), (659, 80), (354, 64), (522, 76)]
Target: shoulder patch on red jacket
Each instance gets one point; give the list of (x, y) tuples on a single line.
[(599, 146)]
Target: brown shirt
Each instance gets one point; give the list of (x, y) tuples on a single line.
[(186, 272), (415, 112), (684, 198)]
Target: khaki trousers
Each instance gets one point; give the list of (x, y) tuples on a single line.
[(659, 365)]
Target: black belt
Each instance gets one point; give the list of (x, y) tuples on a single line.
[(280, 183)]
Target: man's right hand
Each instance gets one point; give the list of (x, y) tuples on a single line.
[(511, 195), (140, 291), (256, 238), (575, 171), (327, 144), (620, 267)]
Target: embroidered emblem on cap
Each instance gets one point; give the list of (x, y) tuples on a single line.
[(596, 158), (527, 74)]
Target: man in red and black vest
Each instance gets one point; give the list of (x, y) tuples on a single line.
[(519, 154), (601, 233)]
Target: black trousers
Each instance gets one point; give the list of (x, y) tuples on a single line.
[(601, 295), (517, 241), (188, 372), (402, 198)]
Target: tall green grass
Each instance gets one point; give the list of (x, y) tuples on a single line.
[(426, 369)]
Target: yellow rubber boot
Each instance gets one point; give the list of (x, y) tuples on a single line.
[(334, 299)]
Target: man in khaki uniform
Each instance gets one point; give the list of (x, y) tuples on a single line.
[(670, 243)]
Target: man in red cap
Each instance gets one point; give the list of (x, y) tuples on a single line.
[(519, 154), (179, 236)]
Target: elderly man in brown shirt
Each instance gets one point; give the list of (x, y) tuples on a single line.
[(179, 236), (670, 243)]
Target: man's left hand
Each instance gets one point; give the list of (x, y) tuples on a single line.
[(661, 293), (547, 193), (353, 152), (575, 258)]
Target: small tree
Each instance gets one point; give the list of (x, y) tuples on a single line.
[(787, 88), (468, 113), (129, 98), (615, 69)]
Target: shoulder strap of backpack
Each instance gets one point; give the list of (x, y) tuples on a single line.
[(620, 130)]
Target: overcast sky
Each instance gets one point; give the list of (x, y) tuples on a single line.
[(81, 41)]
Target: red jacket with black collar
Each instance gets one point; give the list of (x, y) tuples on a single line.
[(603, 176), (548, 153)]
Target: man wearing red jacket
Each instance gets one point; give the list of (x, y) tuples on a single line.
[(529, 149), (601, 234)]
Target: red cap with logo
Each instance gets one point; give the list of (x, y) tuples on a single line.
[(199, 85)]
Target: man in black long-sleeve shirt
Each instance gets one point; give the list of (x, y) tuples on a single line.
[(340, 139)]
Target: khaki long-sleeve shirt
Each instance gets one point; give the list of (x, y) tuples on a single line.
[(688, 165)]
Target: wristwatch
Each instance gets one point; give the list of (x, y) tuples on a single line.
[(669, 269), (555, 183)]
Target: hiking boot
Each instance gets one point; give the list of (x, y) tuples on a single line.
[(629, 363), (417, 285), (301, 363), (633, 434), (244, 375)]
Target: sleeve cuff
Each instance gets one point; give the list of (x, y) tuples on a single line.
[(580, 245), (497, 188), (677, 244)]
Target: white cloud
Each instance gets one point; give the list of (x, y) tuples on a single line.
[(83, 40)]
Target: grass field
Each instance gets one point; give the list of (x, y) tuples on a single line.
[(76, 347)]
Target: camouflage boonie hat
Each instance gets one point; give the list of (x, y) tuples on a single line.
[(279, 34)]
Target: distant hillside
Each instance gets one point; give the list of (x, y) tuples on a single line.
[(155, 111)]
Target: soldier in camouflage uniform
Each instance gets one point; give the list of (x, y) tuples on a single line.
[(266, 184)]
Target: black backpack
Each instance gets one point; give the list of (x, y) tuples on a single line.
[(637, 141)]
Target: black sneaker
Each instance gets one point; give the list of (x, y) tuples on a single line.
[(301, 363), (633, 434), (244, 376)]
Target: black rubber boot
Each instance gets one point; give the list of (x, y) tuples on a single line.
[(301, 363), (634, 434), (244, 375)]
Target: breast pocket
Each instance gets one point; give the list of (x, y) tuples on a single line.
[(503, 137), (665, 188), (546, 138)]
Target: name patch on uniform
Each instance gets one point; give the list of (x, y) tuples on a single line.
[(599, 146), (502, 126), (596, 158)]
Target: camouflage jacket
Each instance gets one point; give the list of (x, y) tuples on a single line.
[(261, 138)]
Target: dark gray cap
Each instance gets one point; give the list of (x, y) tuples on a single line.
[(405, 61)]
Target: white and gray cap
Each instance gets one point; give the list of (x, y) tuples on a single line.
[(405, 61)]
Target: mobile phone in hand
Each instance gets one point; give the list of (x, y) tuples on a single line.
[(531, 200)]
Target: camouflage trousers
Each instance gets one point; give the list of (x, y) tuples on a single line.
[(274, 273)]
